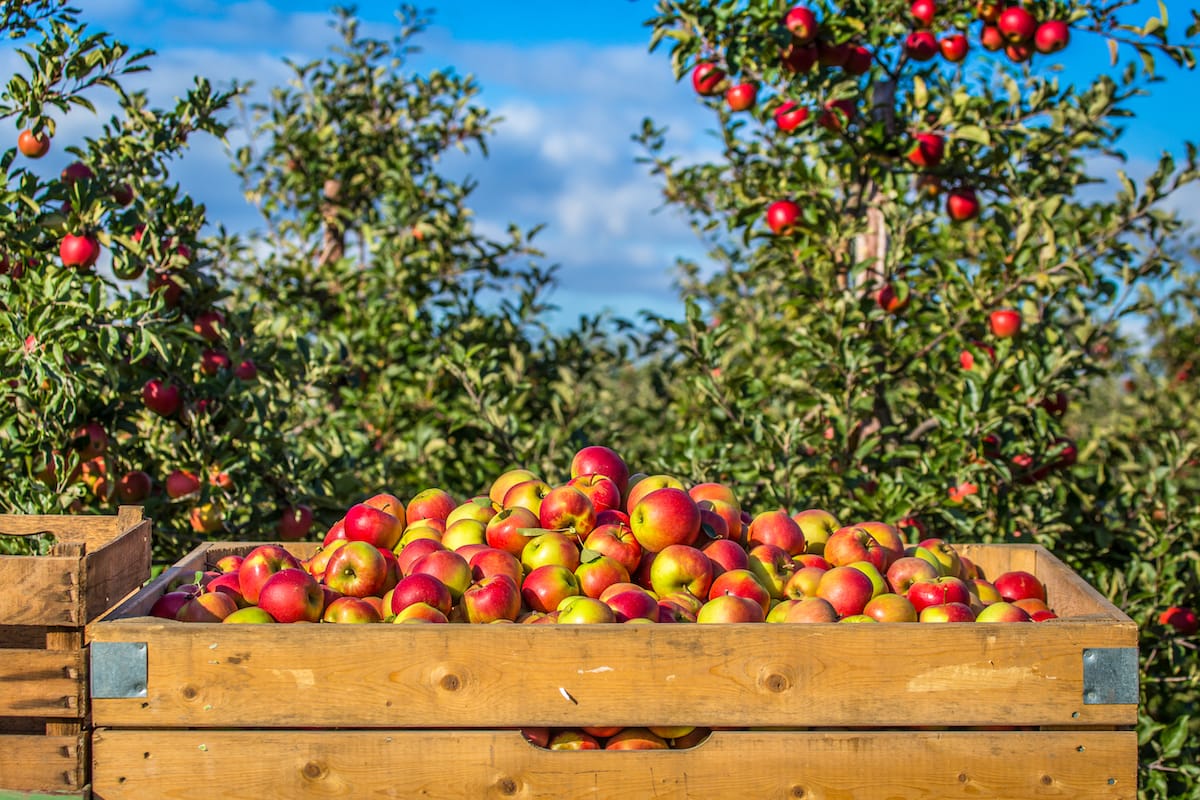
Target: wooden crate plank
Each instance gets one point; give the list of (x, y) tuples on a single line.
[(41, 590), (117, 568), (451, 765), (734, 675), (43, 764), (42, 683)]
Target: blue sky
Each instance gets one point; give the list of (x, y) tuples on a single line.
[(572, 81)]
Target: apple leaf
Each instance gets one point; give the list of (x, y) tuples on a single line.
[(974, 133), (587, 555), (532, 532)]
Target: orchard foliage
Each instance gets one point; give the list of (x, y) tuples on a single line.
[(430, 360), (80, 344), (839, 347)]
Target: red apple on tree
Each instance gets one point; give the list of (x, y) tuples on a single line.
[(962, 204), (1005, 323), (1016, 25), (161, 398), (802, 23), (954, 47), (921, 46), (80, 252), (923, 11), (790, 116), (1052, 36), (741, 97), (782, 216), (33, 145), (707, 78), (928, 150), (858, 60), (1183, 620), (181, 483), (295, 523)]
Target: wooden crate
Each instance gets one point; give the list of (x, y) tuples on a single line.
[(45, 605), (846, 711)]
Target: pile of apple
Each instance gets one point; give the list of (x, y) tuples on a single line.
[(602, 548)]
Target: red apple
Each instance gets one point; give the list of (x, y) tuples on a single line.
[(551, 547), (295, 523), (134, 486), (853, 543), (683, 569), (80, 252), (488, 561), (528, 495), (597, 573), (1017, 25), (351, 610), (167, 606), (904, 572), (663, 518), (726, 555), (817, 526), (599, 460), (803, 583), (209, 325), (317, 564), (161, 398), (448, 567), (356, 570), (545, 587), (419, 613), (632, 603), (858, 60), (847, 589), (33, 145), (928, 150), (567, 509), (790, 116), (646, 484), (811, 610), (938, 591), (410, 553), (601, 490), (954, 47), (777, 528), (1002, 612), (364, 523), (923, 11), (228, 583), (741, 97), (1005, 323), (782, 216), (1051, 36), (207, 607), (888, 537), (617, 542), (991, 38), (1183, 620), (799, 58), (611, 516), (571, 739), (1018, 584), (947, 612), (735, 529), (429, 504), (505, 531), (707, 79), (962, 204), (921, 45), (579, 610), (743, 583), (492, 599), (802, 23), (291, 595), (891, 607), (421, 588), (837, 114), (731, 608)]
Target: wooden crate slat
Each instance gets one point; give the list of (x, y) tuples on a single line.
[(116, 569), (41, 590), (37, 764), (42, 683), (734, 675), (451, 765)]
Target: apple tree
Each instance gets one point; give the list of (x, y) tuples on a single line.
[(437, 368), (125, 380), (914, 284)]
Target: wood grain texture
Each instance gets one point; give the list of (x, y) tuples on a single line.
[(37, 764), (42, 683), (738, 765), (96, 562), (511, 675)]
